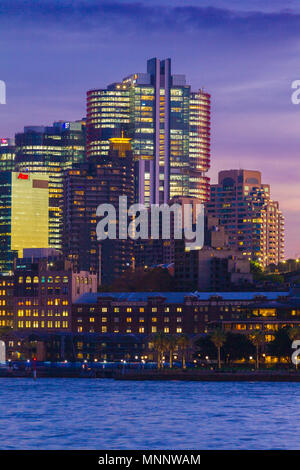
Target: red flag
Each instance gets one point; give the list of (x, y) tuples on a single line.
[(22, 176)]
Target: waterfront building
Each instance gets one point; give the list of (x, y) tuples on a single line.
[(64, 346), (169, 126), (190, 313), (85, 188), (51, 150), (120, 326), (252, 220), (44, 290), (24, 207)]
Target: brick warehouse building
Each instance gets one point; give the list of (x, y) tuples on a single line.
[(44, 292), (115, 326), (147, 313)]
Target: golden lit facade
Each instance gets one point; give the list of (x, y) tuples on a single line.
[(51, 150), (24, 215), (29, 211)]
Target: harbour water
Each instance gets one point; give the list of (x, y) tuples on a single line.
[(108, 414)]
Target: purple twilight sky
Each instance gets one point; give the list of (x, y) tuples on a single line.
[(245, 53)]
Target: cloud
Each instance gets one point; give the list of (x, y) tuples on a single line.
[(244, 53), (95, 14)]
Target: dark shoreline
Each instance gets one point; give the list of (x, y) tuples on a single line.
[(166, 375), (216, 376)]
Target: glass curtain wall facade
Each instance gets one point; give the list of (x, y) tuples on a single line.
[(169, 127), (51, 150), (7, 154)]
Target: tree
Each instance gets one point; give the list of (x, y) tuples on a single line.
[(294, 333), (183, 343), (171, 343), (160, 345), (206, 346), (257, 338), (281, 345), (218, 338), (5, 333), (237, 346), (142, 280)]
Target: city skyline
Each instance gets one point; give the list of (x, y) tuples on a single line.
[(149, 218), (48, 70)]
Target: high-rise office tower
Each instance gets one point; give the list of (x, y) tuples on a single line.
[(85, 188), (7, 154), (51, 150), (169, 126), (253, 221), (24, 207)]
